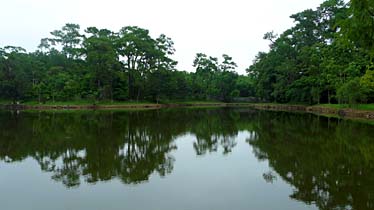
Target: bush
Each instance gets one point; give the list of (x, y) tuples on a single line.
[(351, 92), (367, 82)]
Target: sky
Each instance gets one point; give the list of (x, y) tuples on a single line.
[(213, 27)]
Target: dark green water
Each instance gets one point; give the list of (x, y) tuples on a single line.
[(184, 159)]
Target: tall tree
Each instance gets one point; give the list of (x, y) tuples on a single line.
[(102, 59), (69, 38), (360, 24)]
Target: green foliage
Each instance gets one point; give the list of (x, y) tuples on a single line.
[(102, 60), (359, 28), (102, 65), (215, 80), (351, 92), (68, 37), (245, 86), (328, 51), (367, 80), (311, 61)]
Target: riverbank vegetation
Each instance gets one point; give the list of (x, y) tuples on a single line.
[(101, 65), (368, 107), (326, 57)]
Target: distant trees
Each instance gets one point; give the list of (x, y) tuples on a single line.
[(100, 64), (326, 55), (102, 61), (321, 58), (69, 38), (14, 78), (214, 80)]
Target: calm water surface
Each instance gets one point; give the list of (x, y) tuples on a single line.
[(184, 159)]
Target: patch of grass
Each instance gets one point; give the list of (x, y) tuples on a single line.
[(83, 103), (190, 102), (365, 107), (85, 111), (123, 103), (5, 102), (57, 103), (104, 103), (333, 106)]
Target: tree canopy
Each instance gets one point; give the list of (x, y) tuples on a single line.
[(326, 57), (319, 59), (99, 64)]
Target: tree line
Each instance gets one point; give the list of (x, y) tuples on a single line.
[(100, 64), (326, 57)]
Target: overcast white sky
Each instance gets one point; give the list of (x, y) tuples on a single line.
[(214, 27)]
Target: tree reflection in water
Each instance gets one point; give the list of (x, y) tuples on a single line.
[(328, 162), (100, 146)]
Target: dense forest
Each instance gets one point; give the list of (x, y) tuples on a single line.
[(326, 57), (105, 65)]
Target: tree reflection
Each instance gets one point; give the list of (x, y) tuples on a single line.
[(90, 146), (329, 162), (100, 146), (215, 128)]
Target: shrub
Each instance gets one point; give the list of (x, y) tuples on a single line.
[(352, 92)]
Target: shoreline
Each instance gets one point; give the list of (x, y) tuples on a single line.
[(345, 113), (318, 110), (108, 106)]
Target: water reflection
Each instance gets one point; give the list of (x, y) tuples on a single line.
[(100, 146), (328, 162)]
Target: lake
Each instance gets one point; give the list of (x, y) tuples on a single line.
[(184, 159)]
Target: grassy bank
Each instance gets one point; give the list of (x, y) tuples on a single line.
[(82, 103), (105, 103), (362, 111), (365, 107), (369, 107)]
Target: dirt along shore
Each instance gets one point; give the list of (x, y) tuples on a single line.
[(320, 110)]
